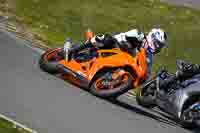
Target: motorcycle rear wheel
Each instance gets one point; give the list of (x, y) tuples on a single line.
[(192, 122)]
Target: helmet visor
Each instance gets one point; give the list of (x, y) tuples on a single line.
[(158, 46)]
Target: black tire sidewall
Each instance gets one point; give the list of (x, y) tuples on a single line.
[(186, 125), (50, 67), (144, 101)]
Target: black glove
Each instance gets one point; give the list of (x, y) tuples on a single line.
[(166, 78), (100, 37), (186, 69), (168, 81), (99, 40), (106, 41)]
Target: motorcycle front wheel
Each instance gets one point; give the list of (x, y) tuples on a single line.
[(146, 96)]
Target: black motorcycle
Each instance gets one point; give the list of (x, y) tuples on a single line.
[(175, 96)]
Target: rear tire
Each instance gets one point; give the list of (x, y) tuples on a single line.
[(114, 93), (186, 125), (185, 111)]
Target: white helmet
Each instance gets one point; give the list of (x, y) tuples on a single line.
[(158, 38)]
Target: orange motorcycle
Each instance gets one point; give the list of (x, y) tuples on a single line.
[(106, 73)]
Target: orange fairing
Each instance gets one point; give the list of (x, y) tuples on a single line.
[(116, 58), (121, 59), (141, 67)]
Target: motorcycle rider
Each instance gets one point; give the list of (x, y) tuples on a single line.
[(185, 72), (128, 41)]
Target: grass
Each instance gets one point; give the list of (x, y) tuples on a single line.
[(53, 20), (6, 127)]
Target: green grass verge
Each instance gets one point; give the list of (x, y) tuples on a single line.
[(7, 127), (54, 20)]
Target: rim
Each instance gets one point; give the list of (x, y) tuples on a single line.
[(107, 85)]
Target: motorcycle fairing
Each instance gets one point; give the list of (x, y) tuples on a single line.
[(174, 102), (87, 70)]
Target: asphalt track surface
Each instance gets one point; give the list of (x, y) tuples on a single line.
[(50, 105), (188, 3)]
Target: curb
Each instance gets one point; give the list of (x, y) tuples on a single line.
[(10, 27), (17, 124)]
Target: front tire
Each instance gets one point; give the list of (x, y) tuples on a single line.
[(111, 93), (144, 99)]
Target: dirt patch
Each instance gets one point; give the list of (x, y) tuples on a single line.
[(3, 5), (7, 7), (11, 5)]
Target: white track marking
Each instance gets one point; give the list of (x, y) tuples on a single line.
[(17, 124), (5, 117)]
